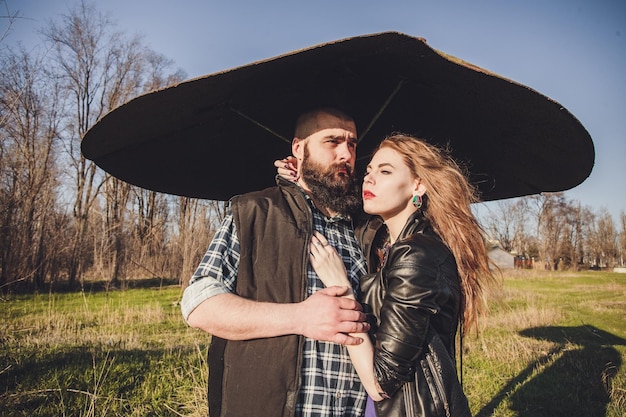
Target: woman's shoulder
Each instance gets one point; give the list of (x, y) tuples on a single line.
[(421, 249)]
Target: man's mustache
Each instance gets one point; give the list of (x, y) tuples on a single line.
[(335, 168)]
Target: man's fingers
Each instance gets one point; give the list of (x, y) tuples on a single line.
[(354, 327), (347, 340), (355, 314), (353, 322), (349, 303), (336, 291)]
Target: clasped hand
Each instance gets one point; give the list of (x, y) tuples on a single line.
[(329, 316)]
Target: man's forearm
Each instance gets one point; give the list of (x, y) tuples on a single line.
[(235, 318), (323, 316)]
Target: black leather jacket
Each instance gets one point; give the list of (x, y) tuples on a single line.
[(416, 301)]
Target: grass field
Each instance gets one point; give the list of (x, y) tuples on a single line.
[(553, 345)]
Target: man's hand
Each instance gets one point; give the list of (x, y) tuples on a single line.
[(328, 316)]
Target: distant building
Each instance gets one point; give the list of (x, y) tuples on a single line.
[(501, 258)]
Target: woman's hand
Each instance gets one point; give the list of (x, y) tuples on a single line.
[(287, 168), (327, 263)]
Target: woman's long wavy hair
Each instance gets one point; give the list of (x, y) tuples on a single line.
[(447, 205)]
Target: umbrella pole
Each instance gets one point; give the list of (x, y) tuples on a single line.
[(382, 109), (259, 124)]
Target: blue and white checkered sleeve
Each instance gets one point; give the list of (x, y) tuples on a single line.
[(217, 272)]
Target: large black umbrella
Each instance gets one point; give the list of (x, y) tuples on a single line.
[(216, 136)]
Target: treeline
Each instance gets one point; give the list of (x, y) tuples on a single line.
[(63, 220), (555, 232)]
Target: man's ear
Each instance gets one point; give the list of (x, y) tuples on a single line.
[(297, 148)]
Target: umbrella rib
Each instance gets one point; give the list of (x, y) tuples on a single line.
[(259, 124), (382, 109)]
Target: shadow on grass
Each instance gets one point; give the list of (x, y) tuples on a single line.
[(103, 286), (572, 379), (93, 286), (70, 380)]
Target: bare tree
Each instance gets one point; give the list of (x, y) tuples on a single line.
[(117, 196), (100, 70), (603, 241), (508, 223), (6, 16), (150, 239), (196, 224), (82, 64), (548, 209), (578, 219), (28, 131)]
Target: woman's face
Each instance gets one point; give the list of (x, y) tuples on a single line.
[(389, 186)]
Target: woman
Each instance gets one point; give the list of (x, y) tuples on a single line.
[(429, 277)]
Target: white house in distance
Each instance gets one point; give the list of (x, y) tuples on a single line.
[(501, 258)]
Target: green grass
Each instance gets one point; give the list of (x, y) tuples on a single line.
[(553, 345), (117, 353)]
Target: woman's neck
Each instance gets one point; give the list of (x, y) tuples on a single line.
[(396, 223)]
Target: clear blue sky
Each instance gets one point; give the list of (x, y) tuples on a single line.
[(573, 51)]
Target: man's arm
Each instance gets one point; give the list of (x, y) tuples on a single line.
[(323, 316)]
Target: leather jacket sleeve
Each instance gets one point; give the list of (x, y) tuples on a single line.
[(414, 292)]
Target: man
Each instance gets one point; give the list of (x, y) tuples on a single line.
[(277, 334)]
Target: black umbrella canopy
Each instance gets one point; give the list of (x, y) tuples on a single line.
[(217, 136)]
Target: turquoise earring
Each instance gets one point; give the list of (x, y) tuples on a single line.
[(417, 201)]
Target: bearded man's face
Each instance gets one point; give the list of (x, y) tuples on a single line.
[(333, 186)]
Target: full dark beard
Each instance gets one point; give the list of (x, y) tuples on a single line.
[(336, 192)]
